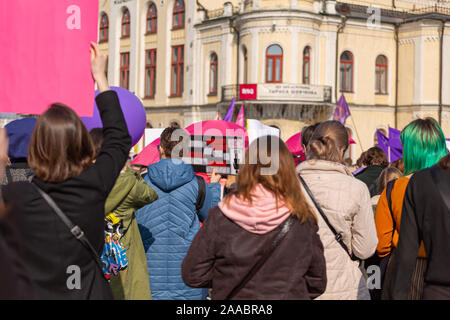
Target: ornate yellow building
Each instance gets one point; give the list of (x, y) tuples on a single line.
[(187, 59)]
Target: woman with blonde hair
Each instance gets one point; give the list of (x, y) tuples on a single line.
[(261, 242), (344, 210)]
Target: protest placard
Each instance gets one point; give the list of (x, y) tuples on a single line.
[(45, 55)]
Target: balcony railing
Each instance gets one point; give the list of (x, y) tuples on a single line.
[(442, 9), (281, 92)]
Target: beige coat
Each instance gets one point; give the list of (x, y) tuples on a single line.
[(346, 202)]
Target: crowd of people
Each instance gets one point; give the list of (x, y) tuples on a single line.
[(77, 221)]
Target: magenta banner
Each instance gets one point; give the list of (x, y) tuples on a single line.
[(45, 55)]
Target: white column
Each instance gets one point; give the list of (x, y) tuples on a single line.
[(197, 72), (315, 64), (226, 58), (189, 53), (254, 54), (330, 63), (140, 90), (446, 70), (418, 70), (295, 54), (134, 45), (114, 44)]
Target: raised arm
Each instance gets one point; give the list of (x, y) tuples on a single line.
[(117, 141)]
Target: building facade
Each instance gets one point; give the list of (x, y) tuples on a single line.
[(187, 59)]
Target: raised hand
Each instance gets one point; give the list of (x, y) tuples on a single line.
[(99, 62)]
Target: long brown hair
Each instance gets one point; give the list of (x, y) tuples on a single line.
[(284, 184), (60, 146), (328, 142)]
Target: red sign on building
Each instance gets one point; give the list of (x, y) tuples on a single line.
[(248, 92)]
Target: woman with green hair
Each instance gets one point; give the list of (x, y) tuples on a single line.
[(423, 146)]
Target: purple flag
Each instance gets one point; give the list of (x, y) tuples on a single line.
[(342, 112), (230, 112), (395, 144), (392, 146), (394, 138), (383, 143)]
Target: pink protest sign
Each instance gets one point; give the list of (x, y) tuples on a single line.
[(44, 56)]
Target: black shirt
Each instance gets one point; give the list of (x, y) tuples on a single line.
[(425, 217), (370, 177), (51, 253)]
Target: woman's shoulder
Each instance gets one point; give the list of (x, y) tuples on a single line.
[(400, 186), (16, 190), (321, 167)]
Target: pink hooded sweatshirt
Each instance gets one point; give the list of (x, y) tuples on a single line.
[(262, 216)]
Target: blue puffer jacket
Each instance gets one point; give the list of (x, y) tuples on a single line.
[(169, 225)]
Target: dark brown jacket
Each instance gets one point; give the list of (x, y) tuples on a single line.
[(222, 253)]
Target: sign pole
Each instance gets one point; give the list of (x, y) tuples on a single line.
[(356, 130)]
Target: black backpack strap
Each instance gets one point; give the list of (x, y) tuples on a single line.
[(201, 194), (389, 188), (74, 229), (269, 248), (442, 185), (337, 235)]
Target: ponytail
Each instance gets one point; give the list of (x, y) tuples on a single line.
[(322, 147), (328, 141)]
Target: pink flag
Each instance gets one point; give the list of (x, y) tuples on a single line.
[(45, 55), (240, 121)]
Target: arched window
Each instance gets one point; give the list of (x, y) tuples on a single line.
[(126, 23), (381, 73), (152, 18), (346, 71), (274, 64), (125, 70), (104, 27), (177, 82), (150, 73), (178, 14), (213, 73), (307, 65)]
